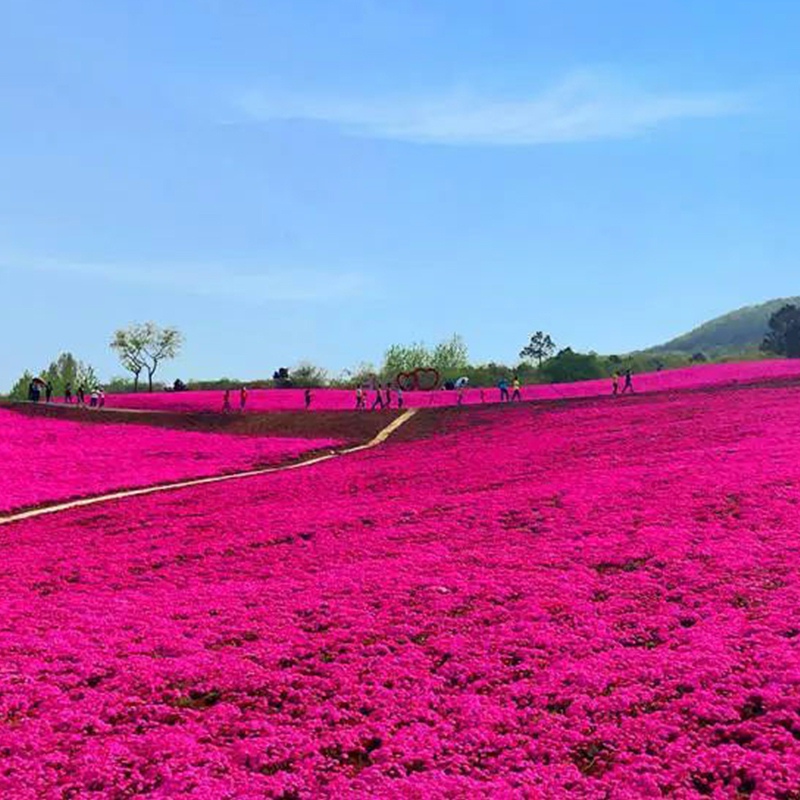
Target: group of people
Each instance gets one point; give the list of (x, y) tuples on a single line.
[(515, 394), (226, 400), (96, 398), (35, 391), (382, 398), (627, 386)]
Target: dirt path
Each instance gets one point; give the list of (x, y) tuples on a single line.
[(379, 438)]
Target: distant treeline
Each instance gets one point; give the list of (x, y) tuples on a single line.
[(540, 362), (566, 366)]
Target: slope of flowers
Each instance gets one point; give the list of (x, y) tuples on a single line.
[(50, 459), (700, 376), (595, 602)]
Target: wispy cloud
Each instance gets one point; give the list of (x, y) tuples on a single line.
[(583, 106), (300, 285)]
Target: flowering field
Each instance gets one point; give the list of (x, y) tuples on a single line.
[(47, 459), (598, 601), (699, 376)]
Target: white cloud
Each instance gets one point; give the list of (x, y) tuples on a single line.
[(582, 107), (300, 285)]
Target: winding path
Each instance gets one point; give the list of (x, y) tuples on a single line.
[(379, 438)]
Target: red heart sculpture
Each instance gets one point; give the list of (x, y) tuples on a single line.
[(423, 379), (406, 381)]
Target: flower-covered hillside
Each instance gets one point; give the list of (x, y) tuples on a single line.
[(599, 601)]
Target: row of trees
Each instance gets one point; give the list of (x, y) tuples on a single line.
[(64, 370), (143, 347)]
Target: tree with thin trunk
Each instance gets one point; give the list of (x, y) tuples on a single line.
[(143, 346), (540, 347)]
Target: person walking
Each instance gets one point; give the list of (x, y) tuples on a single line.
[(94, 397), (48, 392), (615, 384), (81, 395), (388, 395), (502, 385), (68, 393), (101, 397), (378, 401), (359, 398), (517, 393), (307, 398), (400, 397), (628, 385), (242, 398), (226, 401)]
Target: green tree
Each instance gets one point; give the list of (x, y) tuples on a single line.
[(783, 333), (129, 343), (451, 355), (568, 366), (448, 357), (405, 358), (67, 369), (306, 374), (19, 391), (540, 347), (363, 373), (144, 346)]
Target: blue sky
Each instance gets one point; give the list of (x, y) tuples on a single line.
[(316, 180)]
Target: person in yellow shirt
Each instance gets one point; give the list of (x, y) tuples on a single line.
[(516, 394)]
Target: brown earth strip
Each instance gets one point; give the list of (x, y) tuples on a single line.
[(346, 426)]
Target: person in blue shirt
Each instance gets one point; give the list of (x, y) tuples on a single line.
[(502, 385)]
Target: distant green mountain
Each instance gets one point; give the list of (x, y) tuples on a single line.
[(739, 331)]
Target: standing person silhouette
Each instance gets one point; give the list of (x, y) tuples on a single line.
[(226, 401), (68, 393), (517, 393), (242, 398), (399, 397), (81, 395), (378, 401), (628, 386), (359, 398), (388, 395), (307, 398), (48, 392), (502, 385)]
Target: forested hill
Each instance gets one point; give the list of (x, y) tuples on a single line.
[(736, 331)]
